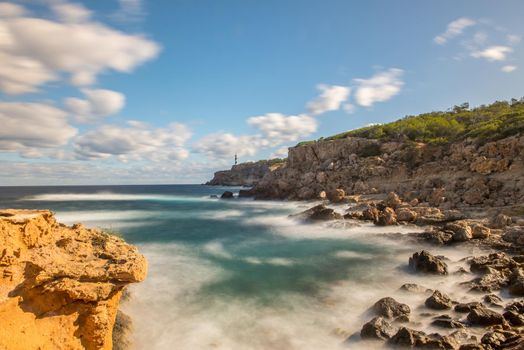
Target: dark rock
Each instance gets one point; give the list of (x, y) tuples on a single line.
[(378, 328), (461, 271), (370, 213), (514, 318), (467, 307), (424, 262), (386, 217), (246, 193), (227, 195), (414, 288), (406, 337), (484, 317), (517, 306), (213, 196), (500, 221), (516, 287), (472, 347), (438, 301), (446, 321), (493, 300), (318, 213), (493, 339), (390, 308), (122, 331)]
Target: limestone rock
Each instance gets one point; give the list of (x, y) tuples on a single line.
[(64, 283), (438, 301), (378, 328), (386, 217), (406, 214), (337, 195), (424, 262), (390, 308), (484, 317)]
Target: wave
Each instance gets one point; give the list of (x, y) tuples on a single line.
[(108, 196)]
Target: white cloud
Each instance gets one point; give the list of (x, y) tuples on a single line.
[(279, 128), (493, 53), (280, 153), (11, 10), (130, 11), (71, 13), (508, 68), (330, 99), (137, 141), (226, 145), (379, 88), (98, 103), (29, 126), (349, 108), (34, 51), (454, 29)]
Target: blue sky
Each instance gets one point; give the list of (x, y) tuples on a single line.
[(137, 91)]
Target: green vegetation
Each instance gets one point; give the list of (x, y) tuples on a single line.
[(487, 122)]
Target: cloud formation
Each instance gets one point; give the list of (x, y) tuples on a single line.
[(330, 99), (454, 29), (134, 142), (508, 68), (278, 128), (379, 88), (29, 126), (493, 53), (33, 55), (98, 103)]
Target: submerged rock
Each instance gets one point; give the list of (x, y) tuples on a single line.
[(227, 195), (414, 288), (482, 316), (438, 301), (390, 308), (318, 213), (378, 328), (445, 321), (424, 262)]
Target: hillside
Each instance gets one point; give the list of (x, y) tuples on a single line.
[(485, 123)]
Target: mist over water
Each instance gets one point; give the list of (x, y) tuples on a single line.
[(241, 274)]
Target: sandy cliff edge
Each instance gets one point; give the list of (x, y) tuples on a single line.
[(60, 286)]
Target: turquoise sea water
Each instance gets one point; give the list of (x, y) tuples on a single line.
[(234, 274)]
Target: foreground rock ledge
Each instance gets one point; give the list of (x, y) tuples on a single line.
[(60, 286)]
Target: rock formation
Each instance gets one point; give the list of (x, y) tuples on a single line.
[(245, 174), (60, 286), (465, 173)]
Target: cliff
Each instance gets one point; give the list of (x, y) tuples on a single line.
[(60, 286), (245, 174), (469, 172)]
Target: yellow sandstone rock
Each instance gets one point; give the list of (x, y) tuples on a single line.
[(60, 286)]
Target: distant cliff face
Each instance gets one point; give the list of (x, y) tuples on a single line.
[(244, 174), (60, 286), (462, 173)]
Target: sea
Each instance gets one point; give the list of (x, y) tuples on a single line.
[(244, 274)]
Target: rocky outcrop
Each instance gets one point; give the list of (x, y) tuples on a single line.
[(60, 286), (466, 173), (244, 174)]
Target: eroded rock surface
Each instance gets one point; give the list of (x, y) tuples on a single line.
[(60, 286)]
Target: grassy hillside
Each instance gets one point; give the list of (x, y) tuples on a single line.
[(486, 122)]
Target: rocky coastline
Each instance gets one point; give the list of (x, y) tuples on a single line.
[(467, 193), (60, 286)]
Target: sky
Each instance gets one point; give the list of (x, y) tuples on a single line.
[(168, 91)]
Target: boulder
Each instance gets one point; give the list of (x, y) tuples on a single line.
[(414, 288), (386, 217), (227, 195), (318, 213), (467, 307), (370, 213), (337, 195), (514, 318), (390, 308), (424, 262), (409, 338), (245, 193), (445, 321), (405, 214), (378, 328), (438, 301), (493, 300), (461, 231), (392, 200), (480, 231), (514, 235), (500, 221), (482, 316), (493, 339)]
